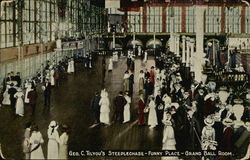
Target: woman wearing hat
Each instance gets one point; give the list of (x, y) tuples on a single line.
[(208, 135), (19, 103), (152, 117), (140, 110), (54, 141), (126, 113), (52, 74), (141, 80), (104, 108), (227, 137), (168, 141), (36, 140), (63, 148), (110, 67), (28, 86), (6, 96)]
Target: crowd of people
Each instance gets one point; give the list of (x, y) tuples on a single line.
[(195, 116), (20, 94), (57, 145), (17, 92)]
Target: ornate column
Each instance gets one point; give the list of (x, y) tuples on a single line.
[(172, 30), (177, 50), (188, 52), (183, 49), (192, 54), (199, 27)]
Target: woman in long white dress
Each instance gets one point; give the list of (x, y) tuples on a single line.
[(126, 113), (104, 111), (36, 140), (54, 141), (168, 141), (126, 81), (28, 86), (71, 68), (19, 103), (63, 148), (141, 80), (145, 57), (152, 117), (110, 67), (6, 96), (52, 79)]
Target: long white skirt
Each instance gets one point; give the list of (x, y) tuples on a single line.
[(126, 113), (37, 154), (104, 118), (26, 99), (110, 68), (53, 149), (6, 98), (152, 117), (19, 107)]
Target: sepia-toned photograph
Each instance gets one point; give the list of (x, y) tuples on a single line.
[(124, 79)]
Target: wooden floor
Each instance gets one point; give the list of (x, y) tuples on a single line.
[(70, 105)]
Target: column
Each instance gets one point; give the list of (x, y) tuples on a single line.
[(183, 49), (192, 54), (177, 50), (199, 26), (172, 30), (188, 52)]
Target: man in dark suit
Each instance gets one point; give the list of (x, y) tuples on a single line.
[(119, 103), (95, 107), (32, 95), (131, 84), (47, 93), (17, 78), (12, 91)]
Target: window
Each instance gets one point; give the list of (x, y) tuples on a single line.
[(176, 13), (213, 20), (190, 19), (154, 19), (233, 19)]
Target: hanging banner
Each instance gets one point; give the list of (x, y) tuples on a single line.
[(112, 3)]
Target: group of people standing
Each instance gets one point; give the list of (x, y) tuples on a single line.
[(57, 145), (100, 106)]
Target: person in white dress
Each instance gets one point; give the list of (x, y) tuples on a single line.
[(28, 86), (54, 141), (126, 81), (6, 96), (168, 141), (104, 110), (36, 140), (145, 57), (126, 113), (52, 79), (63, 148), (110, 67), (19, 103), (152, 117), (141, 80), (71, 68)]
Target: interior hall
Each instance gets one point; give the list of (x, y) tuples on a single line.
[(125, 79)]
